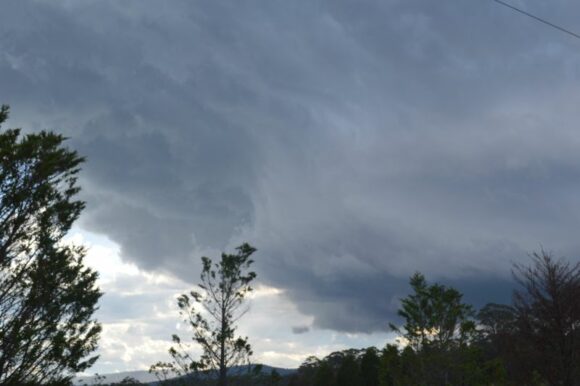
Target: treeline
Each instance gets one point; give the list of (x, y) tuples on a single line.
[(443, 341)]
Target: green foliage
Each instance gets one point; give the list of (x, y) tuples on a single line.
[(324, 375), (440, 337), (47, 295), (348, 372), (308, 371), (496, 319), (338, 368), (435, 317), (369, 367), (534, 342), (223, 289), (398, 368), (497, 328)]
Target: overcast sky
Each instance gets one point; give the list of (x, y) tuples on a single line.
[(352, 142)]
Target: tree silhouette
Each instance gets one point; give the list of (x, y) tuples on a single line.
[(439, 332), (348, 373), (547, 310), (212, 314), (369, 367), (435, 316), (47, 294)]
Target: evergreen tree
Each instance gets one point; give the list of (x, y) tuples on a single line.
[(47, 294)]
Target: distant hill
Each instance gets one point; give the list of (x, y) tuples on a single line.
[(146, 378), (142, 376)]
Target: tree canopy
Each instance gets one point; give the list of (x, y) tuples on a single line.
[(47, 294), (435, 316)]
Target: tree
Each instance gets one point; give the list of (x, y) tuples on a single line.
[(496, 320), (497, 338), (399, 368), (47, 294), (348, 373), (308, 371), (548, 317), (369, 367), (435, 316), (212, 314), (439, 328), (390, 364), (324, 374)]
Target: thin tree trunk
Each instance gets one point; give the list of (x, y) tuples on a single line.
[(223, 379)]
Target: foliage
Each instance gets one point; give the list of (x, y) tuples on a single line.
[(398, 368), (496, 320), (497, 327), (212, 314), (337, 368), (435, 317), (309, 370), (440, 335), (47, 295), (369, 367), (348, 373), (324, 375), (535, 341)]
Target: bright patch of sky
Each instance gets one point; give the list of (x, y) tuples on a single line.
[(138, 312)]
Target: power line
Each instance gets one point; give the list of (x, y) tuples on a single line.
[(562, 29)]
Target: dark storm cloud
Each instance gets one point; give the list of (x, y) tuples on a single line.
[(352, 142)]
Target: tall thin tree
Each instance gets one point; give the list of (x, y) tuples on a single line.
[(212, 313)]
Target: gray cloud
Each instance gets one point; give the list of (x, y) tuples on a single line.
[(352, 142), (300, 329)]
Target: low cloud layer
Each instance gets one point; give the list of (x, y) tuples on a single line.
[(352, 143)]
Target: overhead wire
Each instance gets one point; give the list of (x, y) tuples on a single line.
[(537, 18)]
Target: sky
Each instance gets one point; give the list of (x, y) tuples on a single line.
[(352, 143)]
